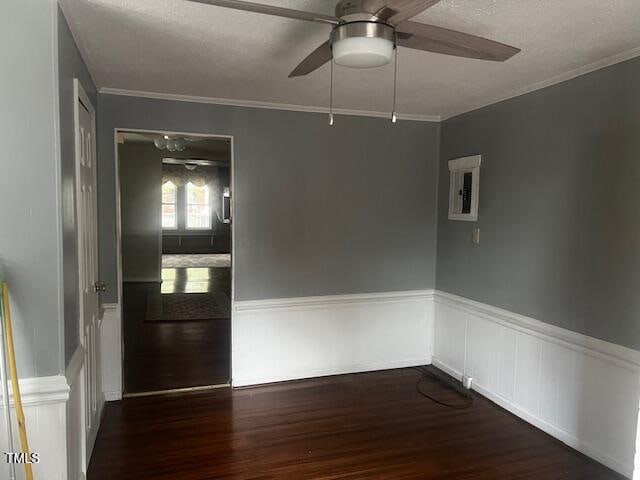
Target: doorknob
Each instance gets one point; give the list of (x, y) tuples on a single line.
[(100, 287)]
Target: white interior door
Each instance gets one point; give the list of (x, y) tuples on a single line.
[(89, 283)]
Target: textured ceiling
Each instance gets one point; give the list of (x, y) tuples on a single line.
[(180, 47)]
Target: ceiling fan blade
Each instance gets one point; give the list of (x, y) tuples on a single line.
[(396, 11), (272, 10), (451, 42), (314, 60)]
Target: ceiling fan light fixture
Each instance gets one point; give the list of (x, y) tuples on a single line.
[(376, 19), (363, 52), (362, 44)]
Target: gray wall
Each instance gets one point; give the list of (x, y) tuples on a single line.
[(560, 228), (70, 66), (30, 243), (318, 209), (140, 197)]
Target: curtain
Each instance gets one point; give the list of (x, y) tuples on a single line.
[(180, 176)]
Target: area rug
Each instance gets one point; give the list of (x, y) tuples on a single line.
[(187, 307), (211, 260)]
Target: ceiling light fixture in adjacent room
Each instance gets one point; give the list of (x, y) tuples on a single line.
[(171, 144)]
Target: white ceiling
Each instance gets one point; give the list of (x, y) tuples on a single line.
[(180, 47)]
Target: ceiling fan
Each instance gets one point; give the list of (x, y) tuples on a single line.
[(365, 33)]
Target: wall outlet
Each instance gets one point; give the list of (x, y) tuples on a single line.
[(475, 237), (467, 381)]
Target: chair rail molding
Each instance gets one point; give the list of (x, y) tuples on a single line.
[(41, 391)]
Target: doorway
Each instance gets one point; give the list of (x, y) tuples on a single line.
[(176, 251)]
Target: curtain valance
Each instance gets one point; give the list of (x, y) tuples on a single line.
[(180, 176)]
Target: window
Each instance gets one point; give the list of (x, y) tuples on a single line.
[(198, 207), (169, 210)]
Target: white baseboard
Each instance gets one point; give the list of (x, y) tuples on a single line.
[(113, 396), (325, 372), (291, 338), (111, 351), (578, 389)]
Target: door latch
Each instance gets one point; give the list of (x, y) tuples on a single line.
[(100, 287)]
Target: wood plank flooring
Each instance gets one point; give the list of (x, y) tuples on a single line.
[(361, 426), (169, 355)]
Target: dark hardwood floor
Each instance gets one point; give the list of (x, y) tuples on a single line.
[(362, 426), (168, 355)]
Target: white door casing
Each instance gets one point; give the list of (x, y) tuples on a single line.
[(88, 280)]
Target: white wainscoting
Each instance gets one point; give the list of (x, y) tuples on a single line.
[(291, 338), (44, 401), (111, 351), (54, 418), (581, 390)]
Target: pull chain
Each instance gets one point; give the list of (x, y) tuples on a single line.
[(394, 115), (331, 96)]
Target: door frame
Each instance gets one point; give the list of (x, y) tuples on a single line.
[(82, 100), (120, 359)]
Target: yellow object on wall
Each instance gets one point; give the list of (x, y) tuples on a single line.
[(22, 428)]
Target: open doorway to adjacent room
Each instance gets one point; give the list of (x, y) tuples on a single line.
[(176, 239)]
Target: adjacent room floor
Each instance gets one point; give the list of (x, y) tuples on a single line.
[(362, 426), (177, 334), (196, 260)]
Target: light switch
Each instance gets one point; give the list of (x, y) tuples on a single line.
[(476, 236)]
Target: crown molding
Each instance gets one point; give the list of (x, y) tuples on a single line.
[(578, 72), (266, 105)]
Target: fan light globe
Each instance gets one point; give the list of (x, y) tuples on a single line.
[(362, 52)]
